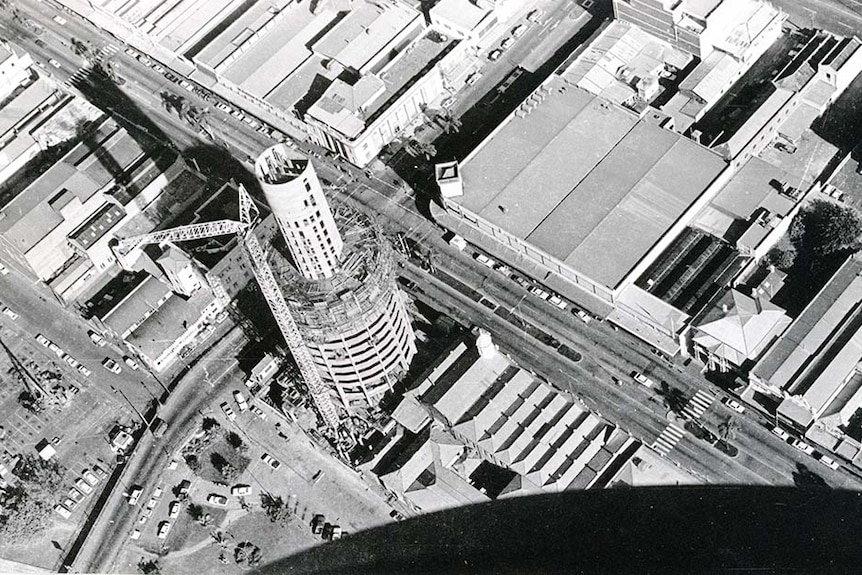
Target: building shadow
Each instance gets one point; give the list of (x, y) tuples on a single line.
[(651, 530)]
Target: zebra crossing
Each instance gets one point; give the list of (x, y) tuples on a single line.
[(698, 404), (668, 439), (82, 72)]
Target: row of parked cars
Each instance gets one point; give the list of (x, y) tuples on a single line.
[(329, 531), (532, 288), (806, 448), (242, 405), (205, 95), (84, 486), (174, 508)]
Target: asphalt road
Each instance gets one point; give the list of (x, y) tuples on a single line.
[(145, 466), (763, 458)]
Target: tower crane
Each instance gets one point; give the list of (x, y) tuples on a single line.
[(249, 216)]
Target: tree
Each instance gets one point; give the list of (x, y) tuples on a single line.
[(727, 428), (149, 566), (673, 397), (275, 508), (31, 402), (41, 478), (824, 228), (783, 259), (224, 467), (235, 441), (195, 511), (22, 516), (209, 424), (193, 462), (247, 554)]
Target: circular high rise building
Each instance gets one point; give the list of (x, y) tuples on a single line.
[(336, 273)]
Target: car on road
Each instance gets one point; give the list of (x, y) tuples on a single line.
[(781, 433), (557, 301), (75, 495), (240, 400), (111, 365), (240, 490), (534, 15), (62, 512), (495, 54), (802, 446), (9, 312), (519, 30), (216, 499), (258, 412), (485, 260), (59, 20), (130, 362), (164, 527), (174, 509), (829, 462), (270, 460), (4, 270), (54, 63), (473, 78), (642, 379), (539, 292), (507, 43), (135, 494), (228, 412), (84, 370), (97, 338), (733, 404), (90, 477), (582, 315)]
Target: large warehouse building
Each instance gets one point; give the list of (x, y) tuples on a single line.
[(586, 194)]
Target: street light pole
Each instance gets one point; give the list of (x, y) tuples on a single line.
[(135, 409)]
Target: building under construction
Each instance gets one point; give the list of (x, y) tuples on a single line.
[(335, 271)]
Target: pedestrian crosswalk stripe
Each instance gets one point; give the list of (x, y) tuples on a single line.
[(668, 439)]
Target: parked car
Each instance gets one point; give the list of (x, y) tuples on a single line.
[(781, 433), (216, 499), (84, 370), (135, 495), (56, 349), (457, 242), (62, 511), (44, 341), (240, 400), (519, 30), (96, 338), (642, 379), (54, 63), (317, 524), (557, 301), (9, 312), (829, 462), (71, 361), (184, 486), (228, 412), (151, 504), (157, 492), (270, 460), (331, 532), (136, 534), (733, 404), (258, 412), (90, 477), (71, 504), (473, 78), (495, 54), (539, 292), (164, 527), (4, 270), (507, 43), (101, 473), (503, 269), (522, 281), (174, 509), (240, 490), (83, 486), (111, 365), (535, 15), (802, 446), (130, 362), (485, 260), (582, 315)]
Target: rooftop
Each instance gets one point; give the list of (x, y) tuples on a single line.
[(147, 297), (584, 180), (170, 321), (464, 13)]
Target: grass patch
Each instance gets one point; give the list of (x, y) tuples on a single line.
[(187, 532)]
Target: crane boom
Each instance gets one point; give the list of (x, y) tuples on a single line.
[(290, 331), (183, 233)]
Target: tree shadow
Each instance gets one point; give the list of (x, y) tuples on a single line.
[(805, 478)]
